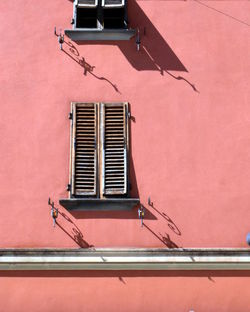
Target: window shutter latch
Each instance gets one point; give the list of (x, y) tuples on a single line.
[(128, 114), (70, 116)]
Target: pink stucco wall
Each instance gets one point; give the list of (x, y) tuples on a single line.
[(125, 291), (189, 94), (188, 89)]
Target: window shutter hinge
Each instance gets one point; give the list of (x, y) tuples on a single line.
[(70, 116), (128, 114), (72, 21)]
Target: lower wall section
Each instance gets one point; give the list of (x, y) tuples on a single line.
[(118, 291)]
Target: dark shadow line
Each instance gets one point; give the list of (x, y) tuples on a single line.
[(77, 236), (211, 279), (73, 58), (81, 243), (72, 47), (121, 280), (169, 242), (174, 228), (105, 79), (76, 228), (88, 69), (161, 70), (182, 78), (230, 16), (155, 234)]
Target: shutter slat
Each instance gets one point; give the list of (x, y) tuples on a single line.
[(84, 144), (114, 148)]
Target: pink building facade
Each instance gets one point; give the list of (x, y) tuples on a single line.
[(188, 94)]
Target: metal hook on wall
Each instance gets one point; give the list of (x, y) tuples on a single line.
[(53, 211), (141, 214), (60, 37), (138, 40), (150, 203)]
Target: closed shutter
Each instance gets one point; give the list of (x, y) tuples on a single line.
[(84, 148), (115, 146)]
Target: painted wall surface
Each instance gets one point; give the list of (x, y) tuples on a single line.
[(188, 89), (126, 291)]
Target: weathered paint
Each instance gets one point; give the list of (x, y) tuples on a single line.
[(189, 95)]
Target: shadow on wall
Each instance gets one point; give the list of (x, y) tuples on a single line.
[(73, 231), (154, 55), (74, 54), (121, 276), (164, 238)]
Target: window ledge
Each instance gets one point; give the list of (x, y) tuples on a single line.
[(99, 34), (94, 204)]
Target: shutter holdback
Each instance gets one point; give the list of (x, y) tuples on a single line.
[(141, 214), (53, 212), (60, 37)]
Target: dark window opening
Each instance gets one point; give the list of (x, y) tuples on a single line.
[(86, 18), (114, 18)]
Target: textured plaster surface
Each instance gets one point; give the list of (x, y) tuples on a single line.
[(188, 89)]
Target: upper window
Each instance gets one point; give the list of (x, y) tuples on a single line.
[(109, 14), (100, 20)]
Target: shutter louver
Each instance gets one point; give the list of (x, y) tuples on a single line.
[(84, 155), (115, 143)]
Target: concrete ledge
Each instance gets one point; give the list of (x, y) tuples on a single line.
[(99, 34), (96, 204), (124, 259)]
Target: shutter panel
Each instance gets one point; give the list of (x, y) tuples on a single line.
[(84, 153), (115, 145)]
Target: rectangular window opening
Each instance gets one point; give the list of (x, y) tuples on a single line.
[(99, 155), (86, 18), (114, 18)]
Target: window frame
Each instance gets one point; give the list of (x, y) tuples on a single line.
[(100, 129), (100, 7)]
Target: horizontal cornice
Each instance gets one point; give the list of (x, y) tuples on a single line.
[(125, 259)]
